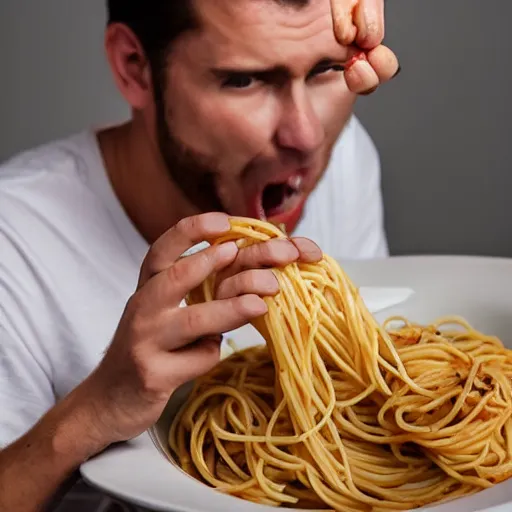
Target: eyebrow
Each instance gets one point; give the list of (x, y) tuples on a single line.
[(280, 70)]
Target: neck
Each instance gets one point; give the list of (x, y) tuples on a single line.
[(140, 180)]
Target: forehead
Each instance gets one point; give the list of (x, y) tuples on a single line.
[(262, 33)]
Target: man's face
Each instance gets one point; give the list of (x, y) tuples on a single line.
[(252, 106)]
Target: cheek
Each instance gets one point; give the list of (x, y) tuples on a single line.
[(333, 105), (228, 128)]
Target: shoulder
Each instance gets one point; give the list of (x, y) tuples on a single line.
[(43, 195), (44, 182), (59, 159)]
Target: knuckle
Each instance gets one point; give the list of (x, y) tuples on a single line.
[(239, 307), (192, 319), (258, 255), (148, 379), (133, 303), (206, 259), (174, 273), (197, 264), (251, 280), (266, 251), (222, 289), (230, 287), (194, 226), (374, 35), (138, 325), (134, 306), (200, 264), (254, 257), (150, 261), (185, 226), (136, 314)]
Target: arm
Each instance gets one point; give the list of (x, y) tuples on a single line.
[(34, 467), (144, 364)]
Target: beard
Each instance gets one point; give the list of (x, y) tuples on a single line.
[(199, 178), (191, 172)]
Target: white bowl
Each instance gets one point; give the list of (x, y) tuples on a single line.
[(479, 289)]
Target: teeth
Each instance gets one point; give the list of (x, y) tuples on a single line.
[(295, 182)]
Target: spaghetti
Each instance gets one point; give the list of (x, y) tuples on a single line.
[(338, 412)]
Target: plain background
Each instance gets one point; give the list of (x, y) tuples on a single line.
[(442, 127)]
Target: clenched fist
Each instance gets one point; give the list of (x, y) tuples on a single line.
[(360, 23)]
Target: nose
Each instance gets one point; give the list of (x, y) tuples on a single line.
[(299, 128)]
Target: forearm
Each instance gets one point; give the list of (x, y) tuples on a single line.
[(34, 468)]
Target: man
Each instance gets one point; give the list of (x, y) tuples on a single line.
[(238, 107)]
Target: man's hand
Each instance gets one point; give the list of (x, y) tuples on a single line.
[(159, 345), (360, 23)]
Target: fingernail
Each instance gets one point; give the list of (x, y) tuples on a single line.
[(356, 57), (309, 251), (361, 77), (364, 70), (226, 250), (288, 243), (218, 222), (272, 286), (370, 91), (397, 71), (254, 305)]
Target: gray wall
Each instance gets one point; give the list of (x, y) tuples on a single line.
[(442, 127), (54, 78)]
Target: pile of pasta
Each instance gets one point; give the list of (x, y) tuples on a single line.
[(338, 412)]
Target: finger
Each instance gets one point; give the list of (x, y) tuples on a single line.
[(193, 361), (360, 76), (257, 282), (168, 288), (277, 252), (369, 21), (342, 19), (184, 235), (384, 62), (309, 252), (211, 318)]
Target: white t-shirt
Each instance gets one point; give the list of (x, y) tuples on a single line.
[(70, 258)]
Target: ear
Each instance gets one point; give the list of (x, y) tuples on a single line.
[(129, 65)]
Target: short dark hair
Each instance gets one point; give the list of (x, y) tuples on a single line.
[(158, 23)]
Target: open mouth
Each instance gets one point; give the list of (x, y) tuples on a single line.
[(278, 198), (279, 202)]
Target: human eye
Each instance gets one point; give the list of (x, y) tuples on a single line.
[(238, 81), (326, 67)]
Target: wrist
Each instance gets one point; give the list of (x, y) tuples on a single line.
[(76, 432)]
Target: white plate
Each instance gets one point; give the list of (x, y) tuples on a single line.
[(480, 289)]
